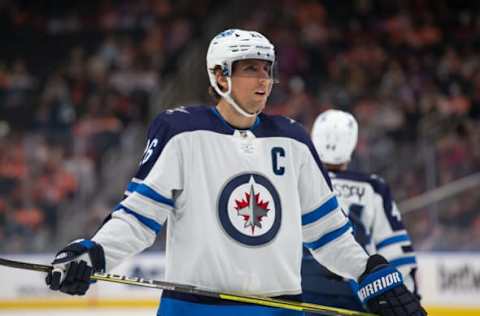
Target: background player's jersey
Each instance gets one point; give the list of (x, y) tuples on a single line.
[(239, 204), (376, 219)]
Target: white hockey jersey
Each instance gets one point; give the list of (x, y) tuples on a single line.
[(239, 204), (376, 219)]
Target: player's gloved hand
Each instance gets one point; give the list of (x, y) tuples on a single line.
[(382, 290), (73, 266)]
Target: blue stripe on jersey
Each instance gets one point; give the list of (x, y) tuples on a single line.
[(132, 186), (328, 237), (392, 240), (174, 307), (147, 191), (403, 261), (150, 223), (320, 212)]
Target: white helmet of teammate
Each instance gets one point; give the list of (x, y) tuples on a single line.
[(335, 135), (232, 45)]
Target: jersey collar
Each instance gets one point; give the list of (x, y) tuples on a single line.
[(231, 127)]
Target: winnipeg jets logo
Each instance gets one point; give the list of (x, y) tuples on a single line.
[(249, 209), (252, 209)]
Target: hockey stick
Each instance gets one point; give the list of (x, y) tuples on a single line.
[(189, 289)]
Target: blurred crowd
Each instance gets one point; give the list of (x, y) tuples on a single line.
[(410, 73), (77, 83), (75, 80)]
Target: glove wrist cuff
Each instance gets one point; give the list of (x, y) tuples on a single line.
[(80, 247), (97, 255)]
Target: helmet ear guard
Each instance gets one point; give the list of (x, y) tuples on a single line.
[(233, 45), (335, 136)]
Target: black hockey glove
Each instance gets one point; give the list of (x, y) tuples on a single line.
[(73, 266), (382, 290)]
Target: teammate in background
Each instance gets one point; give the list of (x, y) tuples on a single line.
[(241, 191), (376, 220)]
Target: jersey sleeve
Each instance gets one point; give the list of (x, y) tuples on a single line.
[(390, 236), (327, 232), (148, 200)]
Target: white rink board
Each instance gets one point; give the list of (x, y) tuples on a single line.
[(445, 279), (23, 284), (449, 279)]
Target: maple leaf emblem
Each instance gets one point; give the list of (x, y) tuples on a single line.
[(252, 209)]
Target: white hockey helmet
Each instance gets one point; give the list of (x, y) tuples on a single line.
[(232, 45), (335, 135)]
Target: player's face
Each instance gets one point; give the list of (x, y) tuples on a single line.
[(251, 84)]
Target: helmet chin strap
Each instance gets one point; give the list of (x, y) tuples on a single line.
[(228, 97)]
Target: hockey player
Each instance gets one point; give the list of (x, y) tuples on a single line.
[(366, 199), (240, 191)]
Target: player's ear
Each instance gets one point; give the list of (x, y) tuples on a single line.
[(221, 79)]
